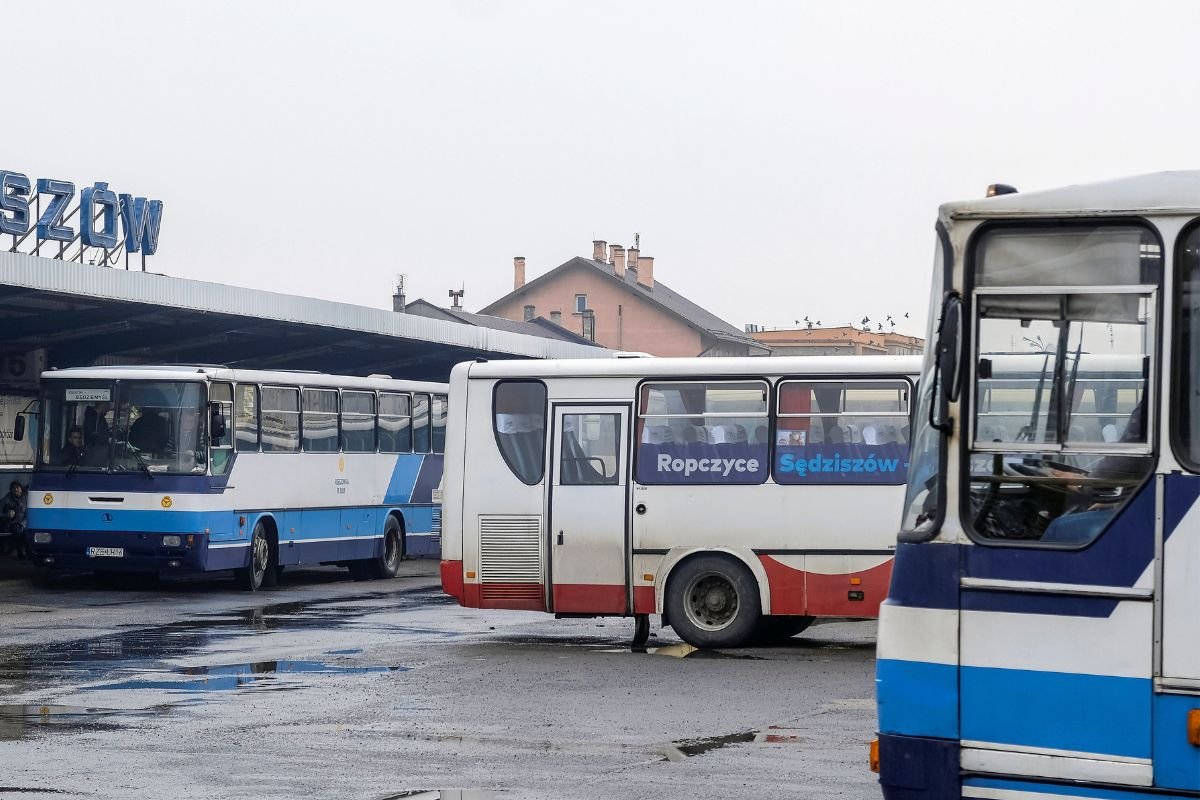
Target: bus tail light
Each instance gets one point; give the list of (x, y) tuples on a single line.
[(873, 757), (1193, 727)]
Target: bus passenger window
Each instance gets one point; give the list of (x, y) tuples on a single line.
[(358, 422), (591, 449), (420, 417), (280, 420), (320, 420), (246, 422), (395, 428), (698, 432), (220, 427), (842, 432), (518, 422), (439, 423)]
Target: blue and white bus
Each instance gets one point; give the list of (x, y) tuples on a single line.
[(1041, 637), (178, 469)]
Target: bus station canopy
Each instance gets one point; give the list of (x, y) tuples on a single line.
[(84, 315)]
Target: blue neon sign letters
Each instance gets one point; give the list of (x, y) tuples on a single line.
[(140, 218)]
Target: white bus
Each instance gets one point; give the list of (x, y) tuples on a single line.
[(1041, 638), (176, 469), (738, 497)]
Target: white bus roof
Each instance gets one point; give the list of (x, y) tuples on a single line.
[(696, 367), (206, 373), (1159, 193)]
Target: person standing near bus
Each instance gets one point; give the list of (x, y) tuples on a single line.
[(12, 517)]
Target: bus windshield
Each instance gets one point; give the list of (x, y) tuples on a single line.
[(124, 426)]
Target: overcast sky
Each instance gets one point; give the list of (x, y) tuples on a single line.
[(780, 160)]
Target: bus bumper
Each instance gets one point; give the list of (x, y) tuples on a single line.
[(452, 580), (916, 768), (116, 551)]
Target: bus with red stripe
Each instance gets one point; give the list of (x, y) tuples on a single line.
[(738, 498)]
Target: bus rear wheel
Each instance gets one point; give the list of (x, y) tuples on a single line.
[(260, 573), (387, 564), (712, 601)]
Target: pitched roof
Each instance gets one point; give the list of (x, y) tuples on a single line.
[(661, 295), (535, 327)]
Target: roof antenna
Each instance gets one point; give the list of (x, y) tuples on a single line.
[(637, 242)]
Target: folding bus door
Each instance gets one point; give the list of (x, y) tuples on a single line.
[(589, 508)]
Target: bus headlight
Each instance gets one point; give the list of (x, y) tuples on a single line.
[(41, 537), (171, 541)]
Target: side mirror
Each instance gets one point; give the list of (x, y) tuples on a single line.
[(19, 428), (949, 347), (216, 423)]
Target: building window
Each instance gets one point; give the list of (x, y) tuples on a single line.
[(580, 303), (529, 312)]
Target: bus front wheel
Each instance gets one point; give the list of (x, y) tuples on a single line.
[(260, 573), (387, 564), (712, 601)]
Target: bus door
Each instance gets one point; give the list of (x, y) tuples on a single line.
[(588, 508)]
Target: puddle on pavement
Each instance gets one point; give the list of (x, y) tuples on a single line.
[(232, 677), (19, 721), (686, 748), (139, 651), (443, 794)]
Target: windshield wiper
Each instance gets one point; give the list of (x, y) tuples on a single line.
[(141, 461)]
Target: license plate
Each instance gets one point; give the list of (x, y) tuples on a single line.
[(106, 552)]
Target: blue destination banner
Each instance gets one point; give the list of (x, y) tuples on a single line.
[(842, 463), (697, 463), (100, 211)]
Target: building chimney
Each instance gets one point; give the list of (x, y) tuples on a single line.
[(618, 261), (645, 269), (456, 296), (631, 257), (518, 272), (398, 302), (599, 248)]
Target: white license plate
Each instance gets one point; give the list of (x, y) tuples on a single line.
[(106, 552)]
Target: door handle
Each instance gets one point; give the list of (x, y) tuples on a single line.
[(640, 508), (560, 537)]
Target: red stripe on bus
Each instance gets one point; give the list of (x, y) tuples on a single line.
[(589, 598), (795, 591), (643, 600), (452, 580)]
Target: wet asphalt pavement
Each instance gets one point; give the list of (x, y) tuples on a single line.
[(328, 688)]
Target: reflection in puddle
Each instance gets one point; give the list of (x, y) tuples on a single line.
[(18, 721), (238, 676), (686, 748)]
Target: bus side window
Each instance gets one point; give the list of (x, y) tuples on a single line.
[(420, 418), (518, 423), (439, 423), (320, 420), (280, 419), (220, 426), (246, 423), (395, 424), (358, 422)]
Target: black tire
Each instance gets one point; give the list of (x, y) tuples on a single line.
[(712, 601), (773, 629), (388, 562), (259, 573)]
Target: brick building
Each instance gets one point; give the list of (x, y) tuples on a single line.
[(615, 300), (843, 341)]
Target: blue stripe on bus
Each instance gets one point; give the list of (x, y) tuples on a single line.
[(1070, 789), (925, 575), (427, 479), (1179, 495), (1064, 711), (1022, 603), (155, 521), (404, 479), (917, 698), (1176, 760)]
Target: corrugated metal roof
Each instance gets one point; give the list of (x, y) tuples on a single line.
[(50, 275)]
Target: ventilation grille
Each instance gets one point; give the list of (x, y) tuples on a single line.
[(437, 520), (510, 552)]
